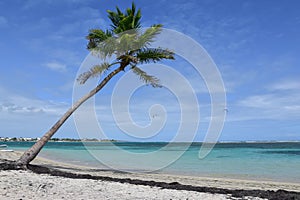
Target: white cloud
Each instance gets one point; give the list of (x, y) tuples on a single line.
[(22, 116), (286, 85), (276, 106), (13, 108), (281, 101), (22, 105), (17, 104), (258, 101), (55, 66)]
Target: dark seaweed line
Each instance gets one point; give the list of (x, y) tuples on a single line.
[(269, 194)]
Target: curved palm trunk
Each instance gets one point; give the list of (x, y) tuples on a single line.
[(31, 153)]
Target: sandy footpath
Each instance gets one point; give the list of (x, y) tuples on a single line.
[(28, 185)]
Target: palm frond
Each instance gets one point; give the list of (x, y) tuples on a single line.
[(95, 71), (126, 41), (130, 45), (148, 36), (124, 21), (147, 55), (115, 17), (106, 48), (148, 79), (97, 36)]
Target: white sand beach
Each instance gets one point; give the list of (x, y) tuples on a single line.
[(28, 185)]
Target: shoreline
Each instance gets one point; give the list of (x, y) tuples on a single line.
[(264, 163), (203, 180), (221, 182), (50, 177), (170, 173)]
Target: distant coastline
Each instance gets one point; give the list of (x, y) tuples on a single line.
[(21, 139), (29, 139)]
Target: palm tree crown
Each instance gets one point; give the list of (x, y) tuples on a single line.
[(128, 43), (130, 46)]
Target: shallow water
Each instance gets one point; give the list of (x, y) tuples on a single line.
[(267, 161)]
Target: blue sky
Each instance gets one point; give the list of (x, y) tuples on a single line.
[(254, 43)]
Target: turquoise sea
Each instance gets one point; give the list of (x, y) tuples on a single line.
[(278, 161)]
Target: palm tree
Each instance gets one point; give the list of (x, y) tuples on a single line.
[(130, 46)]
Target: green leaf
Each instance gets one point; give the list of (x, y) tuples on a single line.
[(148, 36), (148, 79), (95, 71), (124, 21), (128, 43), (97, 36), (148, 55)]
